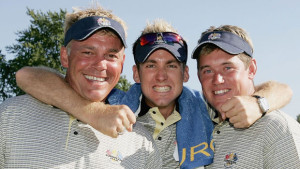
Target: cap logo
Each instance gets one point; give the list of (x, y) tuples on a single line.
[(214, 36), (103, 22), (159, 39)]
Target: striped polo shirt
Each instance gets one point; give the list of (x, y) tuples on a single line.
[(163, 131), (272, 142), (36, 135)]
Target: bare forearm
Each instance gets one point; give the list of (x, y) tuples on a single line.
[(38, 82), (49, 86), (277, 94)]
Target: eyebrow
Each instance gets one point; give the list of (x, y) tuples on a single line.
[(173, 61), (115, 50), (87, 47), (206, 66), (168, 62), (203, 67)]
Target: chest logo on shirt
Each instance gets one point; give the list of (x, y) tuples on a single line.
[(230, 159), (114, 155)]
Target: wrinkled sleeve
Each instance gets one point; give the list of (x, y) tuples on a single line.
[(282, 148)]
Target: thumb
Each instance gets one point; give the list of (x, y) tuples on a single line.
[(223, 115), (129, 128), (227, 105)]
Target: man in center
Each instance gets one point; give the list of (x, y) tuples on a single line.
[(165, 105)]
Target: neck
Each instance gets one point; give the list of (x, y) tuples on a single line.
[(166, 111)]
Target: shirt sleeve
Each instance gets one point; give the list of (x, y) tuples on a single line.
[(282, 137)]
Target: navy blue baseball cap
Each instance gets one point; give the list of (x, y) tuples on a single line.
[(85, 27), (172, 42), (227, 41)]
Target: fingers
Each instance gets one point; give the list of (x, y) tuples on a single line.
[(235, 112), (113, 134), (113, 120), (234, 120), (130, 116), (239, 121), (127, 117), (223, 115), (120, 130), (126, 125), (229, 106), (239, 125), (124, 119), (117, 129)]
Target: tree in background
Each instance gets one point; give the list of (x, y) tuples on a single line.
[(298, 118), (39, 45), (3, 77), (123, 84)]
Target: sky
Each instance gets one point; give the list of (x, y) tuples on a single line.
[(273, 26)]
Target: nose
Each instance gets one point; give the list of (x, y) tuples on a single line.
[(218, 79), (100, 63), (161, 74)]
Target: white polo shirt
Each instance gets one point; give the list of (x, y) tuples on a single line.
[(36, 135)]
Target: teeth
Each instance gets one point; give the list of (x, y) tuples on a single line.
[(94, 78), (221, 91), (162, 89)]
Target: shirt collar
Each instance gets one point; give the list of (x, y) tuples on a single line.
[(145, 108)]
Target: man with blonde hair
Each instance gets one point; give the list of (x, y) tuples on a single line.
[(175, 115), (37, 135), (170, 111), (226, 69)]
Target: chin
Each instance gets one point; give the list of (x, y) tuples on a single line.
[(97, 98)]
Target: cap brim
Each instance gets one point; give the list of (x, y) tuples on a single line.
[(88, 33), (85, 27), (224, 46), (175, 49)]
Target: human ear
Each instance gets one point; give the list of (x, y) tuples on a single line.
[(136, 76)]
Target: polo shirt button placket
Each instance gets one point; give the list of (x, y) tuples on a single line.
[(76, 132)]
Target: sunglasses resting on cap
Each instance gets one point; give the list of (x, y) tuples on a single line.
[(170, 41)]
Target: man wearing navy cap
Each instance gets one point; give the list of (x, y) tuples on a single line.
[(37, 135), (170, 111), (226, 69)]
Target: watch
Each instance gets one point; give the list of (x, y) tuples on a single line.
[(263, 104)]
